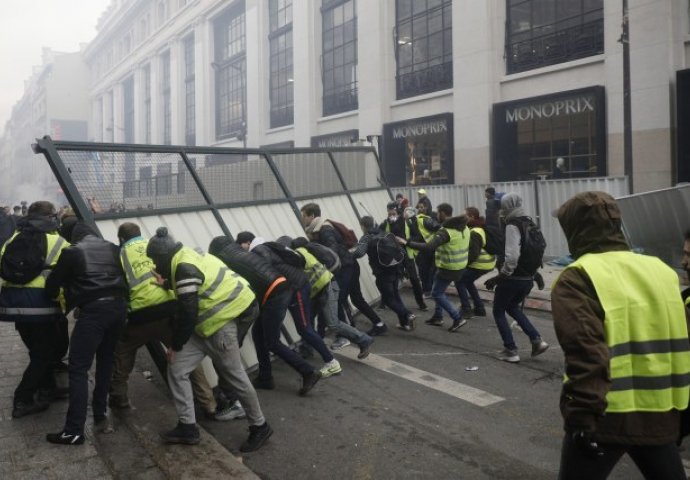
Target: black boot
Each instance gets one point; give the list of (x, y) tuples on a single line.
[(184, 433), (308, 382), (258, 434), (21, 409)]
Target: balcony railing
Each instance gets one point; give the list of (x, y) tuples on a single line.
[(556, 46), (340, 101), (427, 80)]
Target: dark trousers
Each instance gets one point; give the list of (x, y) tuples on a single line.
[(508, 298), (266, 334), (387, 283), (655, 462), (300, 309), (427, 268), (348, 281), (46, 342), (467, 289), (95, 334), (411, 272)]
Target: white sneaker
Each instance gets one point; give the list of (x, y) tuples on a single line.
[(510, 356), (331, 368), (339, 343), (231, 413)]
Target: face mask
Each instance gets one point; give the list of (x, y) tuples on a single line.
[(392, 218)]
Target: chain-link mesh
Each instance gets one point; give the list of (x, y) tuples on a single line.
[(239, 178), (132, 181), (308, 174), (359, 169)]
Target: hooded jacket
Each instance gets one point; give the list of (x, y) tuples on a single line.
[(591, 222), (321, 231), (88, 270), (458, 223)]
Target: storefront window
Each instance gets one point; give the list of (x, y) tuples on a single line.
[(419, 151), (559, 136)]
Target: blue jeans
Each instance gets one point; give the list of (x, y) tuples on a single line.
[(300, 309), (325, 304), (466, 288), (438, 293), (508, 298)]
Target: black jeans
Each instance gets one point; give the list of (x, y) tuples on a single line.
[(266, 334), (95, 334), (427, 268), (348, 281), (387, 284), (47, 343), (411, 272), (655, 462)]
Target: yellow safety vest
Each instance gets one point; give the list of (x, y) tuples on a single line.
[(223, 295), (411, 252), (453, 255), (55, 244), (143, 292), (646, 334), (426, 234), (485, 261), (318, 274)]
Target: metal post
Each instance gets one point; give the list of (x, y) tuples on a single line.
[(627, 106)]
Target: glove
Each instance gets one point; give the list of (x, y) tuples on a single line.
[(584, 441), (491, 283)]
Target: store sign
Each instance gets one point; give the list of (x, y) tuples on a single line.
[(341, 139), (418, 129), (550, 109)]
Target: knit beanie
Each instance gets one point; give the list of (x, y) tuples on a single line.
[(162, 244)]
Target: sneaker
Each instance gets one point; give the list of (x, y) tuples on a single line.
[(103, 423), (539, 346), (364, 348), (231, 412), (411, 320), (460, 322), (479, 312), (423, 308), (118, 402), (510, 356), (435, 321), (426, 295), (381, 306), (405, 328), (22, 409), (339, 343), (258, 434), (331, 368), (264, 383), (64, 438), (378, 330), (466, 312), (308, 382), (183, 433)]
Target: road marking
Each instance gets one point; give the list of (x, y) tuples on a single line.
[(449, 387)]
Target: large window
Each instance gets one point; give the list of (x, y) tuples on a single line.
[(230, 65), (339, 56), (280, 39), (189, 91), (546, 32), (165, 90), (423, 46)]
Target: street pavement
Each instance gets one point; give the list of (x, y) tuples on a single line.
[(426, 404)]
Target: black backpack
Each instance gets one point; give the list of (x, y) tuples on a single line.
[(24, 257), (532, 245), (495, 240), (389, 253), (287, 255), (325, 256)]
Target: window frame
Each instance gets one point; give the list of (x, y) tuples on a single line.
[(281, 69)]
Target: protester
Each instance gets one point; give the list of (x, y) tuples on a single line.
[(213, 300), (621, 323), (37, 317), (91, 275), (423, 198), (479, 263), (401, 203), (426, 225)]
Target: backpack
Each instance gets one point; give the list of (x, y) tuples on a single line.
[(22, 261), (388, 252), (349, 237), (324, 255), (495, 241), (532, 245), (287, 255)]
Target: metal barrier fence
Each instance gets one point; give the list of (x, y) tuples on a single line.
[(200, 193), (539, 199)]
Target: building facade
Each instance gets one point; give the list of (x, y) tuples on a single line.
[(55, 103), (449, 91)]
